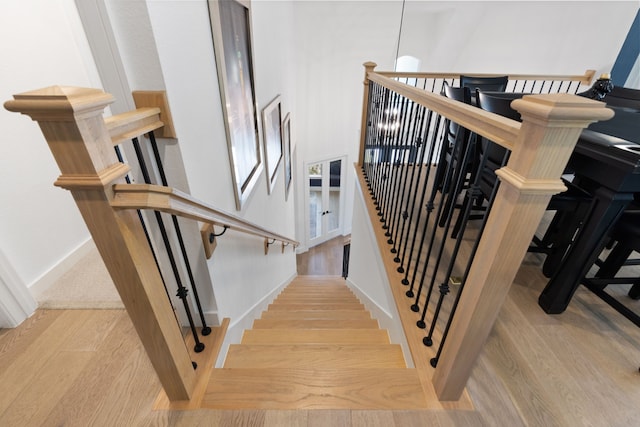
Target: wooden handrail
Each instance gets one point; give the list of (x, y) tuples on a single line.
[(126, 126), (585, 78), (172, 201)]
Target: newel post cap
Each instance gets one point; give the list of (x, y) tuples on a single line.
[(370, 65), (561, 110), (59, 103)]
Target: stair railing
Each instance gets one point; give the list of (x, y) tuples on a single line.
[(82, 141), (402, 141)]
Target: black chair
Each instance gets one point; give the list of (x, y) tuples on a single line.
[(455, 140), (485, 84), (625, 237), (447, 171), (571, 206)]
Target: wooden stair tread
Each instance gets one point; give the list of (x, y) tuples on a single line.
[(319, 356), (315, 324), (319, 288), (315, 336), (314, 389), (283, 305), (317, 314), (316, 300)]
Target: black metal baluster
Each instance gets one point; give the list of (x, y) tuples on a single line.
[(396, 200), (457, 186), (381, 142), (474, 195), (406, 186), (206, 330), (182, 291), (389, 165), (370, 137), (407, 213), (434, 360), (415, 306), (432, 153), (420, 143)]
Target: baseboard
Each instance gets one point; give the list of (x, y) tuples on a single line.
[(47, 279), (238, 326), (386, 320), (16, 302)]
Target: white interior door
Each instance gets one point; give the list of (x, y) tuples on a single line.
[(324, 184)]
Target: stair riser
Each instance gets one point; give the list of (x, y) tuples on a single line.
[(314, 324), (316, 336), (317, 314), (305, 307)]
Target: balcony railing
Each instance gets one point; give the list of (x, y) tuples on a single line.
[(448, 291)]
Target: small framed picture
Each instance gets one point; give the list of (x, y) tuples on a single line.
[(272, 131)]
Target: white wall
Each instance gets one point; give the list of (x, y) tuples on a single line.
[(241, 274), (42, 45), (333, 40), (559, 37)]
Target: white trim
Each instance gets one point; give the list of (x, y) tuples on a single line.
[(237, 327), (390, 322), (325, 236), (16, 302), (374, 289), (98, 29), (48, 278)]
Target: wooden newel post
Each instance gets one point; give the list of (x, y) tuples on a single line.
[(368, 68), (550, 129), (72, 122)]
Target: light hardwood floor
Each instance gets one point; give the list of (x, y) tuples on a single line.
[(580, 368)]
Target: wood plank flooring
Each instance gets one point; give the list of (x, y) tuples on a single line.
[(88, 368)]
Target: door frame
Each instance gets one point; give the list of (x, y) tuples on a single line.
[(307, 213)]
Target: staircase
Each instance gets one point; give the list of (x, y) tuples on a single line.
[(316, 347)]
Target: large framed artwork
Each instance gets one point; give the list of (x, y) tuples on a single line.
[(272, 133), (286, 146), (231, 30)]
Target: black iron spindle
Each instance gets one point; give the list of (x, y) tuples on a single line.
[(494, 191), (432, 154), (457, 187), (422, 147), (399, 168), (387, 177), (206, 330), (407, 145), (182, 291), (410, 199)]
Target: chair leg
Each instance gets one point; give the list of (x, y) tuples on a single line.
[(614, 261), (560, 235)]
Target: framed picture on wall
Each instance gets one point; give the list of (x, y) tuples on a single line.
[(286, 145), (231, 31), (272, 133)]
